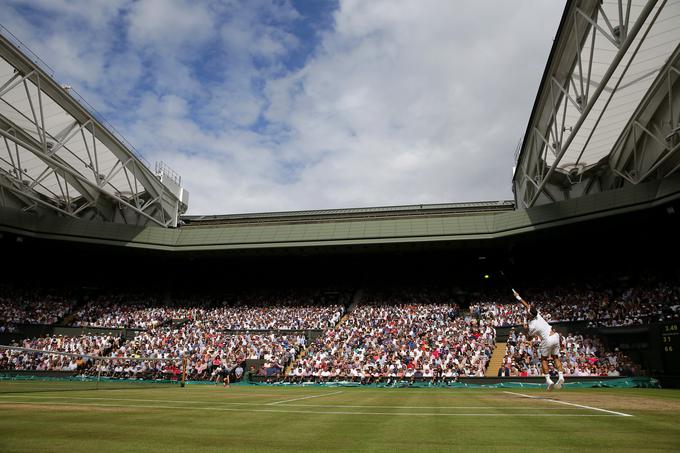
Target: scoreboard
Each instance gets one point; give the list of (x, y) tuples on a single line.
[(670, 347)]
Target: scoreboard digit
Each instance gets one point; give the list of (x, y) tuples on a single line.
[(670, 347)]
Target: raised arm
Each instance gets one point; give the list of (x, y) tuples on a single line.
[(522, 301)]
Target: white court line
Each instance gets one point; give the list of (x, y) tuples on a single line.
[(621, 414), (231, 403), (229, 409), (143, 400), (417, 407), (303, 398)]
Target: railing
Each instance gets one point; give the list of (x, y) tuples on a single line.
[(162, 167)]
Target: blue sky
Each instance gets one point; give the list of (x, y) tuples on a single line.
[(266, 105)]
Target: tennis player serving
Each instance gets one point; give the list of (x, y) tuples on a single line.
[(550, 342)]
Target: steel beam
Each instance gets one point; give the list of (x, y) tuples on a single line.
[(92, 130), (613, 66)]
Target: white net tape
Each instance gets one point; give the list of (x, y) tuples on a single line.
[(19, 359)]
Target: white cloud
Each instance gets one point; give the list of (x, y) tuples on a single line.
[(169, 26), (401, 102), (417, 103)]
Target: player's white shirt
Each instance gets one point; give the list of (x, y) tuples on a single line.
[(539, 327)]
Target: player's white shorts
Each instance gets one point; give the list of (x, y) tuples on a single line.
[(551, 346)]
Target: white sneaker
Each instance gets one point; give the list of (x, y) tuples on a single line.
[(559, 383), (551, 384)]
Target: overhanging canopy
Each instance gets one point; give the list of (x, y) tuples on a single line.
[(608, 60), (57, 155)]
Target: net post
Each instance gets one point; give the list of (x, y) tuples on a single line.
[(99, 364), (184, 372)]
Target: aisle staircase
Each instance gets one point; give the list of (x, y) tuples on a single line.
[(356, 298), (70, 317), (293, 363), (496, 360)]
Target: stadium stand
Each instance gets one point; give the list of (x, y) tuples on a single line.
[(126, 310), (308, 335), (31, 306), (615, 304), (208, 352), (253, 311), (398, 334), (581, 356), (86, 345), (398, 342)]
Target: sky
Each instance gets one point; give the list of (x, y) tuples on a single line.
[(276, 105)]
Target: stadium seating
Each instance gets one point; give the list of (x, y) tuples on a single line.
[(94, 345), (399, 341), (30, 306), (581, 356), (252, 311), (619, 304), (405, 334)]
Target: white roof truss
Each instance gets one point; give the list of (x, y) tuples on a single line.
[(605, 62), (59, 155)]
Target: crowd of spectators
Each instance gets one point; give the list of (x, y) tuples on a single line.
[(618, 304), (83, 346), (392, 335), (249, 311), (262, 315), (7, 327), (32, 307), (128, 311), (194, 328), (403, 336), (209, 353), (580, 355)]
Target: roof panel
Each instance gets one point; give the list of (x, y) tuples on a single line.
[(367, 213), (607, 119), (58, 129)]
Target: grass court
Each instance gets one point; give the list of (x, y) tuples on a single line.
[(36, 416)]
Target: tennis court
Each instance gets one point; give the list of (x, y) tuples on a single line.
[(212, 418)]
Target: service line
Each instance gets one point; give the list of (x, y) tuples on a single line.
[(303, 398)]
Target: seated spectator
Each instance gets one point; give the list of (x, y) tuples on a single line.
[(32, 306), (581, 356), (405, 336), (624, 304)]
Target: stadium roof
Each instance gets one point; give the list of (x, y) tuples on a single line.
[(603, 124), (609, 59), (444, 229), (57, 154), (323, 215)]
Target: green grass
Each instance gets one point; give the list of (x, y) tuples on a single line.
[(208, 418)]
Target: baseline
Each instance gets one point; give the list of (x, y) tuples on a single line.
[(552, 400), (246, 403), (283, 411)]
